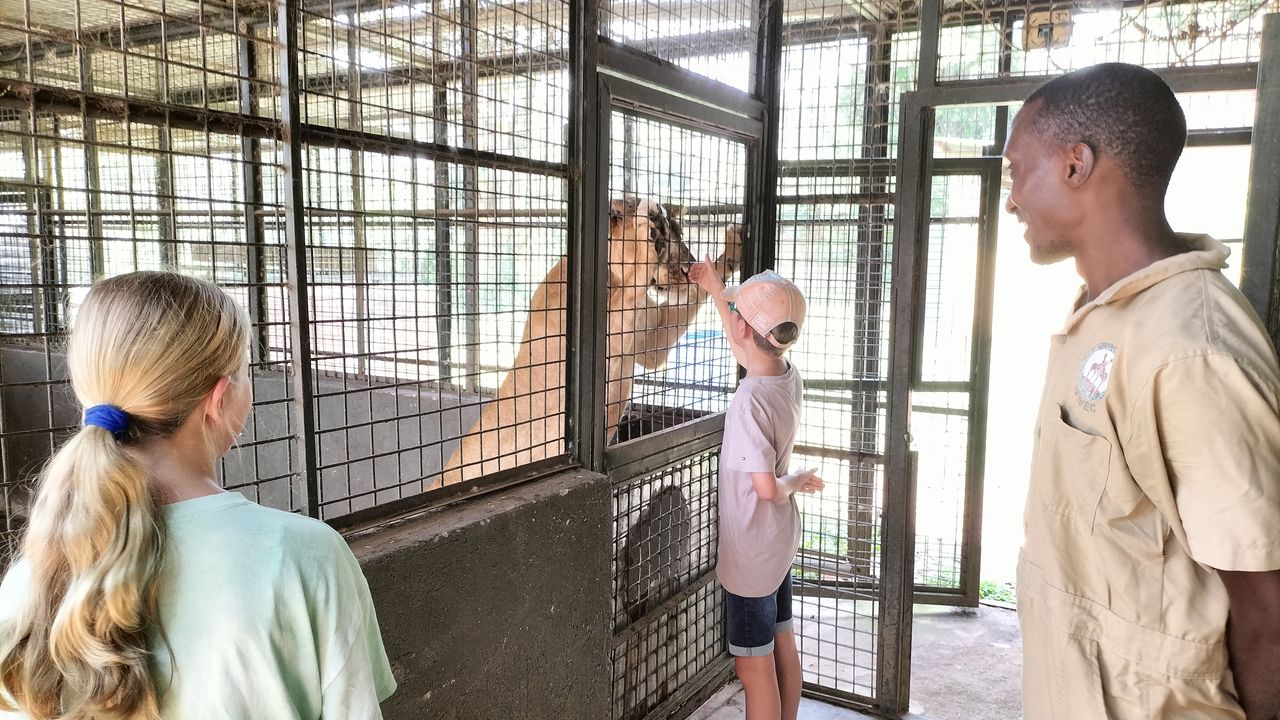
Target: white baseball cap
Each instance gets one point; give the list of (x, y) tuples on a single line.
[(767, 300)]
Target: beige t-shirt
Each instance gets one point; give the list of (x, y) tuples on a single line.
[(1157, 460), (758, 538)]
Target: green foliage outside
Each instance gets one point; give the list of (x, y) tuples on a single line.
[(999, 592)]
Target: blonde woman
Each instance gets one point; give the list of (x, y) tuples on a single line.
[(142, 589)]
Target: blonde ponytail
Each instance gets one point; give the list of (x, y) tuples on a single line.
[(152, 344), (93, 548)]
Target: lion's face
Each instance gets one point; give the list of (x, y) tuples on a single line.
[(646, 248)]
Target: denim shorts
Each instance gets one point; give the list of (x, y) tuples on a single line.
[(754, 621)]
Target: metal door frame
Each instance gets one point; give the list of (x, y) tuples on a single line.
[(1261, 252), (988, 171)]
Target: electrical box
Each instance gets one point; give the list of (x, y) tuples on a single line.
[(1047, 29)]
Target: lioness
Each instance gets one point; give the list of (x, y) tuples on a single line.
[(651, 303)]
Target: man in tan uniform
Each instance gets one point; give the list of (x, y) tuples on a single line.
[(1149, 582)]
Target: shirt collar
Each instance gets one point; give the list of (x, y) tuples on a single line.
[(1203, 253)]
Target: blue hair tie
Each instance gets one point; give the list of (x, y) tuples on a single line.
[(109, 418)]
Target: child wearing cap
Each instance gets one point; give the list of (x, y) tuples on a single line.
[(759, 520)]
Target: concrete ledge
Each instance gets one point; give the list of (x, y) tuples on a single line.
[(499, 607)]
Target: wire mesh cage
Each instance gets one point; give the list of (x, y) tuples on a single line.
[(186, 54), (941, 407), (418, 312), (715, 38), (667, 609), (143, 135), (844, 67), (1019, 39), (131, 138), (681, 198), (477, 76), (436, 234)]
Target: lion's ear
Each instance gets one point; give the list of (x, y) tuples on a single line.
[(675, 211), (624, 207)]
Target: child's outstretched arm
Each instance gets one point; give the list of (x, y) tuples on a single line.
[(705, 276), (772, 487)]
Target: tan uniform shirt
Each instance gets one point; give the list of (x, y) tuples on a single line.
[(1157, 459)]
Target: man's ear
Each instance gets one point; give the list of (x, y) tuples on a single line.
[(1081, 162)]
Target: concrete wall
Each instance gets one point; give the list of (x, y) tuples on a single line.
[(499, 608)]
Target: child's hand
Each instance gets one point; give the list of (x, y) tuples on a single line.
[(704, 275), (811, 483), (804, 481)]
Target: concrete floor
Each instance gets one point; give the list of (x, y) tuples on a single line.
[(965, 666), (730, 704)]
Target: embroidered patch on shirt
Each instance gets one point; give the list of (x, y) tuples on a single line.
[(1095, 372)]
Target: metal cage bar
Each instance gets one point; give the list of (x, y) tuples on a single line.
[(1262, 224), (911, 219), (299, 304)]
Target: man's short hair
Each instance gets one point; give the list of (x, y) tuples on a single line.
[(1124, 111)]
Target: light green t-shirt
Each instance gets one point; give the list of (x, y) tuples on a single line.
[(265, 615)]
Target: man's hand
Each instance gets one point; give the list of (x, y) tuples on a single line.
[(1253, 640), (705, 276)]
